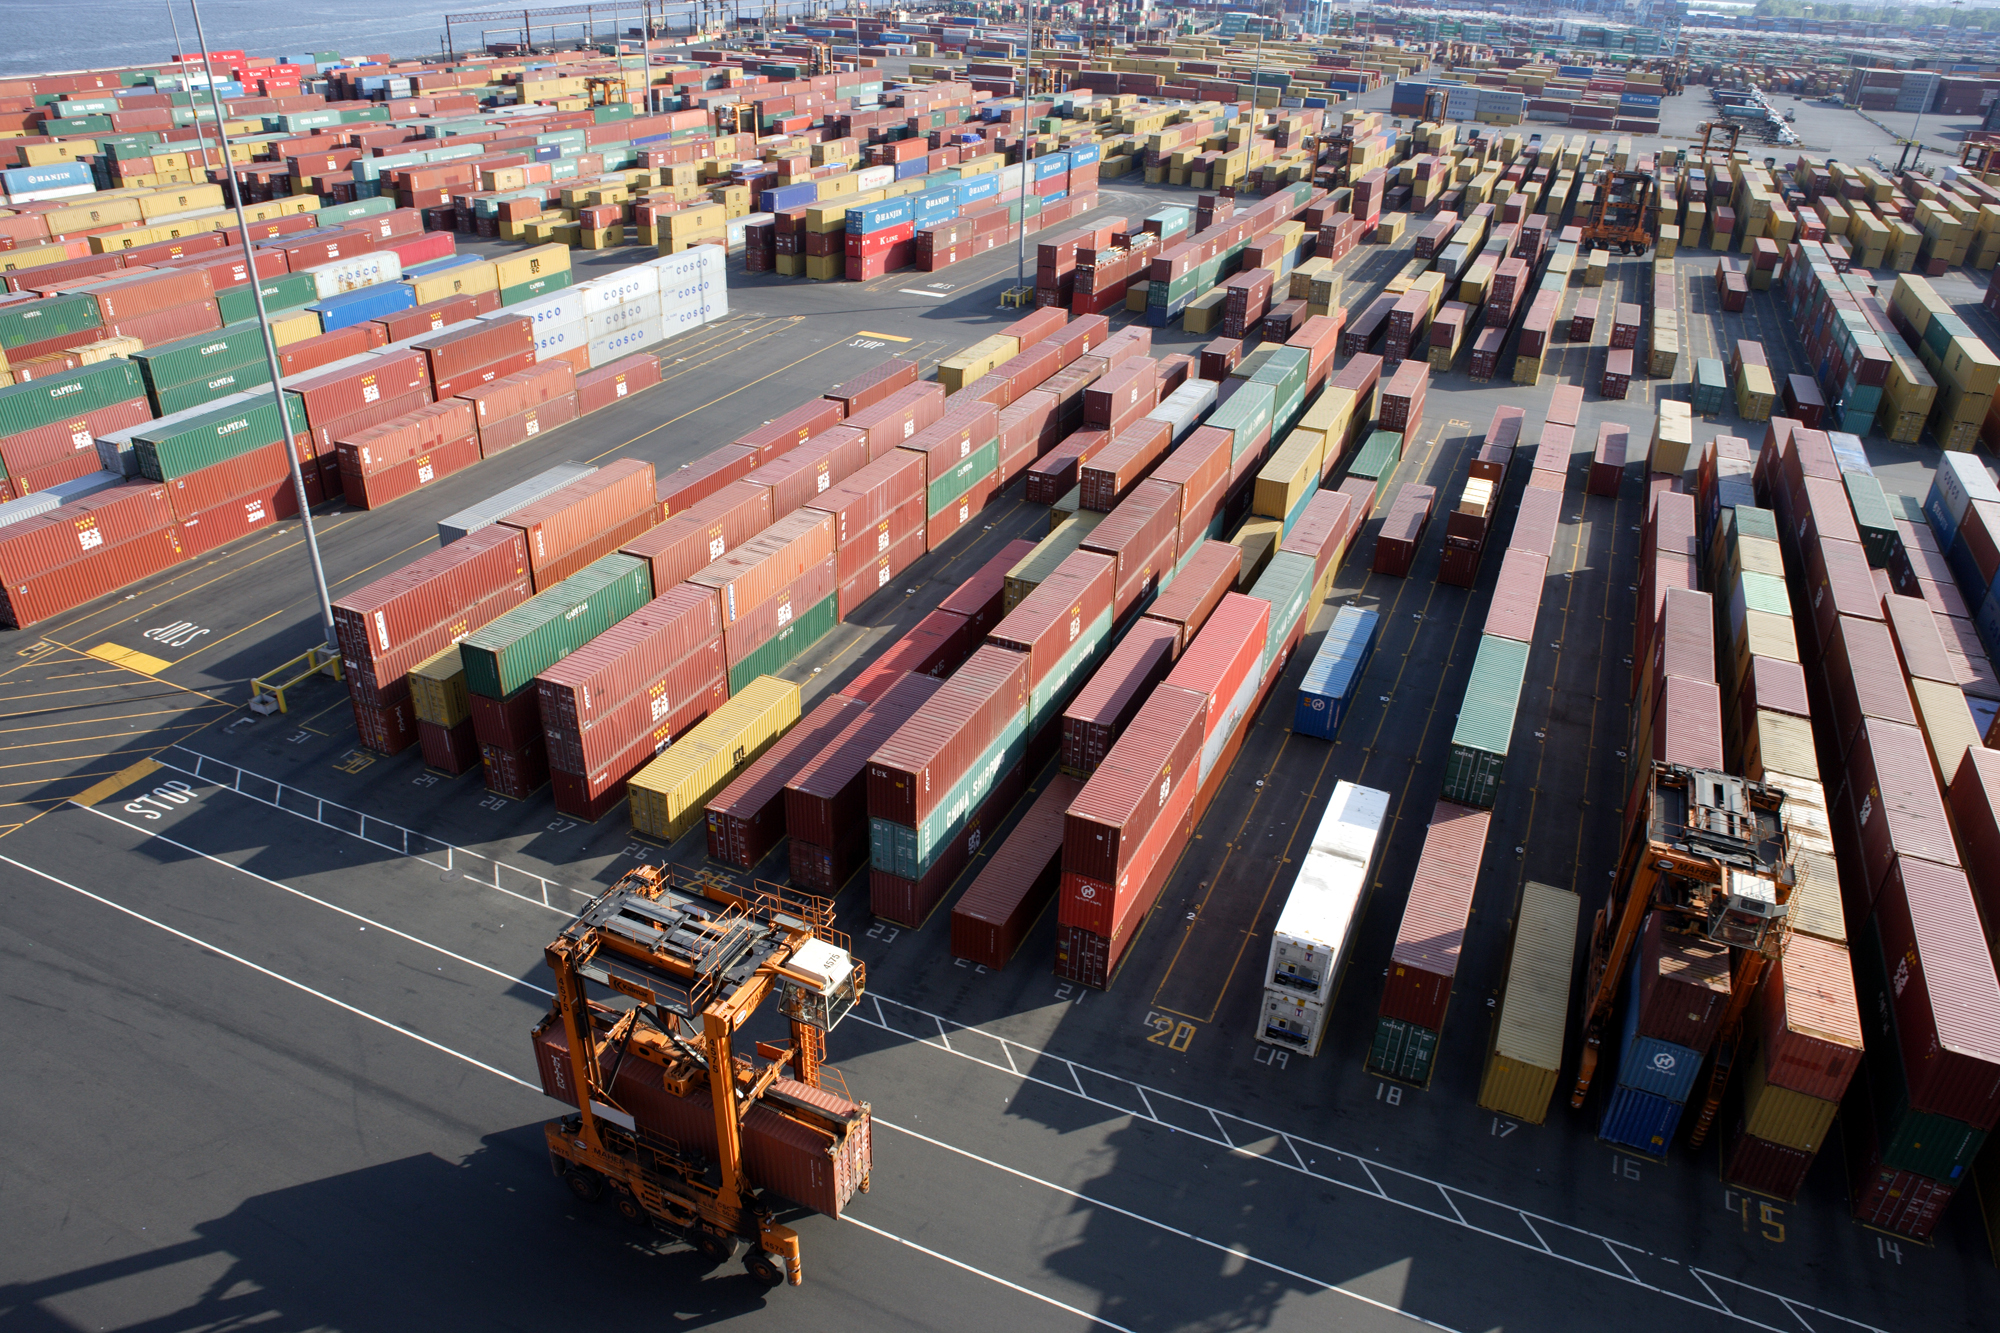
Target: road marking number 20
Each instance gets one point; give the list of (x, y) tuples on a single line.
[(1175, 1036), (166, 796)]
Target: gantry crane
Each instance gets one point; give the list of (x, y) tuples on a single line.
[(681, 965), (1710, 130), (1621, 216), (1710, 850)]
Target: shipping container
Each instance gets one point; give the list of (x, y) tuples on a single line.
[(570, 528), (1328, 896), (995, 913), (670, 794), (1524, 1057), (1104, 707), (747, 818), (1684, 985), (1334, 677), (1483, 734), (915, 768), (826, 799), (1424, 957), (509, 653)]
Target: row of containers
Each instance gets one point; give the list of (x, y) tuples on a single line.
[(386, 417)]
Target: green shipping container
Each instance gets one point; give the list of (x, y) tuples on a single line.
[(1485, 722), (534, 287), (898, 849), (1285, 371), (1402, 1051), (963, 476), (68, 395), (289, 292), (221, 384), (1376, 460), (189, 359), (333, 215), (505, 655), (1249, 412), (805, 630), (1871, 514), (174, 449), (1287, 584), (26, 322)]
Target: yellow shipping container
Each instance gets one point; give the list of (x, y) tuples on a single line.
[(437, 689), (289, 329), (1204, 312), (955, 372), (458, 280), (670, 795), (1293, 471), (1754, 393), (92, 214), (1524, 1056), (1301, 288), (105, 349), (536, 263), (181, 199), (1258, 539), (1971, 365), (1782, 1116), (1957, 404)]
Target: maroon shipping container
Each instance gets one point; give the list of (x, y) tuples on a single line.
[(1110, 910), (1496, 450), (994, 914), (1197, 590), (1424, 958), (1687, 723), (457, 353), (826, 797), (509, 723), (781, 434), (592, 516), (326, 432), (861, 502), (1123, 395), (1945, 994), (1055, 473), (1517, 595), (1607, 462), (1811, 1020), (899, 418), (1223, 655), (362, 384), (330, 349), (1565, 403), (1106, 704), (747, 818), (694, 482), (515, 774), (914, 768), (1141, 535), (1975, 808), (1047, 623), (1403, 531), (387, 729), (82, 528), (872, 386), (1322, 531), (631, 735), (436, 316), (398, 480), (516, 393), (395, 442), (1890, 799), (1106, 826), (1683, 986), (823, 870), (935, 646), (1122, 463), (61, 441), (696, 538), (768, 564), (1403, 398), (1763, 1167), (1919, 646), (626, 661), (910, 902), (982, 599), (898, 538), (1535, 521), (1838, 583), (605, 385), (1197, 464), (450, 750), (210, 529), (499, 436), (801, 476), (393, 612), (1864, 678)]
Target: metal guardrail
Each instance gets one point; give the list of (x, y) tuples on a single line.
[(267, 692)]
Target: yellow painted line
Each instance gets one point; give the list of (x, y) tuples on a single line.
[(887, 337), (129, 658), (118, 781)]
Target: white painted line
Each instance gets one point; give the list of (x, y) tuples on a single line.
[(1167, 1227), (935, 296), (275, 976), (990, 1277), (368, 921)]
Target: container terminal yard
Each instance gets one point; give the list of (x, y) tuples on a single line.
[(1245, 669)]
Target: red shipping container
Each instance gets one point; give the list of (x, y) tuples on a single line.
[(694, 482), (1140, 534), (1123, 395), (1105, 706), (1127, 793), (768, 619), (910, 902), (1322, 531), (1945, 994), (181, 321), (310, 354), (58, 442), (944, 524), (392, 483), (1865, 678), (40, 593), (1811, 1020), (262, 473), (1403, 531), (512, 363), (361, 384), (1196, 464), (1206, 577), (392, 613), (397, 441), (746, 819), (456, 352), (436, 316), (627, 737), (1121, 903), (499, 436), (826, 798), (588, 518), (916, 767), (899, 417), (935, 646), (953, 435), (1123, 462), (125, 298), (1424, 958), (868, 570), (326, 433), (872, 386), (1975, 808), (1890, 800), (995, 913), (859, 503), (82, 528), (53, 474), (1920, 649), (626, 661), (1056, 473), (1683, 986), (509, 723), (1607, 463), (516, 393), (781, 434), (1229, 648), (1687, 723), (605, 385), (449, 750), (767, 565), (1049, 620), (1764, 1167), (386, 729), (808, 471)]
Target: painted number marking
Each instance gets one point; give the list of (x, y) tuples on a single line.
[(1502, 1128), (867, 344), (1070, 993), (492, 803), (978, 969), (1167, 1032), (177, 635), (1272, 1056), (1766, 1216), (1888, 1249), (884, 932), (1625, 1168), (165, 797), (1390, 1093)]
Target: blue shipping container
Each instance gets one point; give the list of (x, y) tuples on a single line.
[(916, 166), (1639, 1121), (1649, 1064), (976, 188), (787, 197), (879, 216), (1055, 164), (358, 307), (1084, 154), (1965, 568), (1330, 682), (55, 176)]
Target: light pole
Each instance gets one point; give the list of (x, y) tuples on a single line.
[(180, 56), (270, 348), (1027, 155)]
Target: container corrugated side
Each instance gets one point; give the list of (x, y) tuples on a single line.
[(1524, 1057), (668, 795), (995, 913), (826, 800), (507, 654), (1424, 957), (1484, 731), (747, 818), (1811, 1020)]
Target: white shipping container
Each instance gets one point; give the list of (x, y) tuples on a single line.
[(355, 272), (1186, 407), (637, 283), (617, 318), (554, 339), (563, 307), (1959, 480), (1291, 1023), (603, 351), (1352, 824), (873, 178), (1309, 943)]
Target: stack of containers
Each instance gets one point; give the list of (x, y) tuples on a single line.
[(389, 460), (746, 819), (407, 618), (48, 424), (1966, 370), (776, 595), (84, 549), (1064, 628), (503, 658), (994, 915), (1674, 1004), (1424, 959), (1309, 944), (937, 773), (1524, 1057), (1963, 510), (570, 528), (670, 795), (347, 397), (444, 714), (608, 708), (826, 800)]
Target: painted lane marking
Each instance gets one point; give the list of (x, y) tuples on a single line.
[(1254, 1131), (990, 1277), (368, 921), (130, 658), (886, 337), (275, 976), (913, 291), (118, 781), (1167, 1227)]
